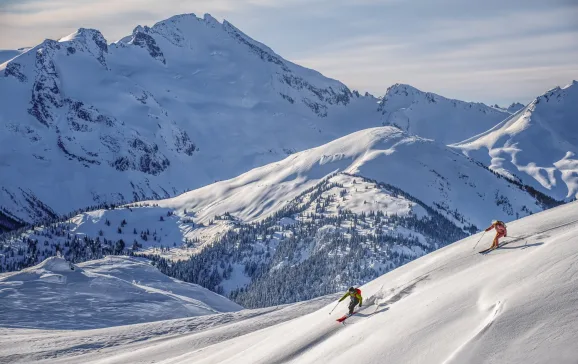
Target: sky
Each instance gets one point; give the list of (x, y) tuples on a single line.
[(493, 51)]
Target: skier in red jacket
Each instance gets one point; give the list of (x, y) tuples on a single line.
[(501, 231)]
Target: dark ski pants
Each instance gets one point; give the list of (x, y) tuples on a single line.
[(354, 301)]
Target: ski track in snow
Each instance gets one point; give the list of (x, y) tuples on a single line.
[(485, 325)]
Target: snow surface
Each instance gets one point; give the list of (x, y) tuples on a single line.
[(150, 342), (514, 305), (109, 292), (538, 145)]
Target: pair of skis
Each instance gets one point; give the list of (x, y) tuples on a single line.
[(516, 238), (485, 251), (344, 317)]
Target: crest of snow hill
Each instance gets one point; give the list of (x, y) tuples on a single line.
[(314, 182)]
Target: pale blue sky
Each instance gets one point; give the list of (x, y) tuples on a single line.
[(494, 51)]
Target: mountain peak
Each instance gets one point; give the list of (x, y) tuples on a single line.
[(558, 93), (515, 107), (85, 35), (402, 87), (208, 18), (91, 39)]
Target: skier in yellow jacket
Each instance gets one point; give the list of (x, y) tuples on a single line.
[(355, 294)]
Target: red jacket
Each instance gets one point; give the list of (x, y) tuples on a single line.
[(500, 228)]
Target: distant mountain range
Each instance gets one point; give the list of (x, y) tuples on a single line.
[(174, 107)]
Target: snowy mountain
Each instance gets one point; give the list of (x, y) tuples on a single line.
[(537, 145), (378, 193), (171, 108), (108, 292), (435, 117), (515, 305)]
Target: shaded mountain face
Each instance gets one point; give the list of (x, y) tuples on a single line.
[(436, 117), (174, 107), (536, 146)]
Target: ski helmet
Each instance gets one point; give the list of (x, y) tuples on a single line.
[(494, 221), (351, 289)]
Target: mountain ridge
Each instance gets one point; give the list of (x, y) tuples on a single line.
[(509, 147), (436, 117)]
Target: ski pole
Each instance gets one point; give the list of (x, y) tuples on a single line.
[(480, 239), (334, 308)]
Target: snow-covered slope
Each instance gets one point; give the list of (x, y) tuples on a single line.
[(537, 145), (426, 170), (435, 117), (379, 193), (109, 292), (193, 333), (516, 305)]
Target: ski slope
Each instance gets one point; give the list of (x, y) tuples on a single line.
[(107, 292), (538, 145), (514, 305)]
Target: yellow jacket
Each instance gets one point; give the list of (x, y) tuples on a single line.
[(357, 295)]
